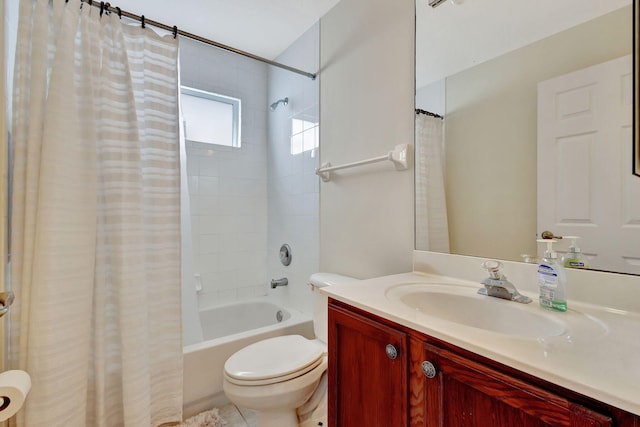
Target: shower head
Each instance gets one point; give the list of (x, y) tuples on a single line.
[(284, 101)]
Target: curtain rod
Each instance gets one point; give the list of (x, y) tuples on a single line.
[(428, 113), (175, 30)]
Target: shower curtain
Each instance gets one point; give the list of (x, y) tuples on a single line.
[(432, 229), (96, 219)]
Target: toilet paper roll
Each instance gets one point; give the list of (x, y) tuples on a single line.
[(14, 387)]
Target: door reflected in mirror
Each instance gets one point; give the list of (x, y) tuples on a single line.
[(482, 71)]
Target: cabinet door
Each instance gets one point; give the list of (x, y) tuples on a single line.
[(367, 372), (465, 393)]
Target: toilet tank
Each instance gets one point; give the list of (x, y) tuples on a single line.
[(320, 303)]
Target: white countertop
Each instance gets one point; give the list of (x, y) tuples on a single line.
[(598, 355)]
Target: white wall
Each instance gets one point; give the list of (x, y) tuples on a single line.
[(293, 185), (367, 102), (228, 186), (432, 97)]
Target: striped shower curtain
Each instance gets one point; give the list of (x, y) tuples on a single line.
[(432, 226), (96, 219)]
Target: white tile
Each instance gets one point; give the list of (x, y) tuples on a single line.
[(245, 293), (210, 224), (193, 165), (192, 184), (226, 296), (310, 183), (297, 161), (209, 243), (207, 298), (220, 281), (253, 277), (310, 162), (282, 186), (250, 241), (207, 263), (297, 184), (209, 205), (208, 166), (228, 241), (194, 204), (252, 223), (209, 186)]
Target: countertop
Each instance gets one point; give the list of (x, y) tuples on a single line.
[(597, 355)]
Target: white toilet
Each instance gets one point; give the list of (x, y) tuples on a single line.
[(278, 375)]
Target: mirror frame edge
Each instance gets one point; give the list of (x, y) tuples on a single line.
[(636, 87)]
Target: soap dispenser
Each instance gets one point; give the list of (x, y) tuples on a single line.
[(574, 257), (552, 279)]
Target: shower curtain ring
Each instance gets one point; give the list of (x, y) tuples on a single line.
[(142, 20), (175, 31), (101, 8)]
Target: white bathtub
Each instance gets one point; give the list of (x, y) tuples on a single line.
[(227, 329)]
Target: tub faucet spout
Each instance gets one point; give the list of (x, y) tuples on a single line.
[(279, 282)]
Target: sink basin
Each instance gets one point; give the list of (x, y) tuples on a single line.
[(462, 305)]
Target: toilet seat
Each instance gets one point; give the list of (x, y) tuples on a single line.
[(273, 360)]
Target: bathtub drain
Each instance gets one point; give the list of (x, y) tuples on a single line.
[(279, 316)]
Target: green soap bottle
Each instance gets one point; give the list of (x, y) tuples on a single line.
[(574, 258), (552, 280)]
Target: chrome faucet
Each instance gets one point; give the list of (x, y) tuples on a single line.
[(279, 282), (497, 285)]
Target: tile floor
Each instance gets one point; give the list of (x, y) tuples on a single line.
[(238, 417)]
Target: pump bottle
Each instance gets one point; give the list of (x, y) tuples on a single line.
[(552, 279), (574, 257)]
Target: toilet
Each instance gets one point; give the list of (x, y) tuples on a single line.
[(278, 375)]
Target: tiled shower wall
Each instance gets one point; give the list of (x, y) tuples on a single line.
[(247, 201), (293, 185), (228, 185)]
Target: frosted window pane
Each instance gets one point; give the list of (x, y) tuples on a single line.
[(210, 118)]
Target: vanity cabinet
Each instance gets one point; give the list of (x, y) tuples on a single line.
[(431, 383), (368, 364), (456, 391)]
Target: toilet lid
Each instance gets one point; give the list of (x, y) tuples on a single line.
[(274, 358)]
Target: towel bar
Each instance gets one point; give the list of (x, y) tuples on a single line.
[(398, 156)]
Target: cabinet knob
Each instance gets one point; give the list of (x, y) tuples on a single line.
[(428, 369), (392, 353)]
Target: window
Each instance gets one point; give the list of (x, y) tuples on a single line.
[(304, 135), (210, 118)]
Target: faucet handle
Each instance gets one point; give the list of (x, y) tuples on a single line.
[(493, 267)]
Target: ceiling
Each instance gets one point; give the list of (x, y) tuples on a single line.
[(261, 27), (453, 37)]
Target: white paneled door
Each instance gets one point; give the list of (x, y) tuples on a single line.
[(585, 183)]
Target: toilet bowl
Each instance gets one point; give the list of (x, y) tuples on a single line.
[(279, 381), (278, 375)]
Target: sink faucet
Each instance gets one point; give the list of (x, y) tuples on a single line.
[(279, 282), (497, 285)]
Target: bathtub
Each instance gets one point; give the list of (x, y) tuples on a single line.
[(226, 329)]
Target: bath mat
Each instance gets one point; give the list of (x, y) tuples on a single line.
[(210, 418)]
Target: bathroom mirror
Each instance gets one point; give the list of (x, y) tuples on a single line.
[(478, 64), (636, 99)]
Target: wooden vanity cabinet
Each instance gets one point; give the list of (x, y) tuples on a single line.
[(463, 392), (431, 383), (368, 364)]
